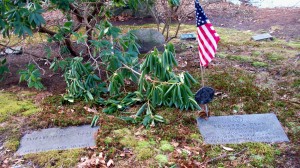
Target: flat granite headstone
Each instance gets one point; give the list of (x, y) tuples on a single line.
[(242, 128), (57, 139), (189, 36), (260, 37)]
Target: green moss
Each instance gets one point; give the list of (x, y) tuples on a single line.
[(165, 146), (128, 141), (196, 137), (53, 159), (144, 150), (258, 154), (35, 39), (261, 154), (54, 100), (215, 151), (221, 55), (2, 129), (122, 132), (259, 64), (233, 37), (255, 53), (144, 153), (295, 129), (274, 57), (296, 83), (294, 44), (108, 140), (241, 58), (239, 87), (11, 105), (143, 144), (161, 159), (12, 145)]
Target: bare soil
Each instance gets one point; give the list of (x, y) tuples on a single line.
[(280, 22)]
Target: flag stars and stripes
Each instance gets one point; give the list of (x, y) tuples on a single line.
[(207, 36)]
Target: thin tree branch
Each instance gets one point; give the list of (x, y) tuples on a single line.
[(47, 31), (76, 12), (224, 155)]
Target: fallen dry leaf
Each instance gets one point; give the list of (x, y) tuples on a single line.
[(110, 162), (90, 110), (93, 147), (175, 144), (179, 151), (94, 161), (218, 93), (83, 159), (227, 148)]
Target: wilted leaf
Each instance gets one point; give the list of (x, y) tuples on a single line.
[(227, 148), (90, 110), (110, 162), (175, 144)]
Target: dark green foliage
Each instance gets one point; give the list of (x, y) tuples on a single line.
[(110, 55), (3, 68), (162, 86), (159, 85), (20, 17), (32, 76), (62, 4), (94, 121), (174, 3), (156, 83), (81, 81), (117, 103)]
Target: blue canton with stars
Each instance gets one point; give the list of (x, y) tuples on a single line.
[(201, 18)]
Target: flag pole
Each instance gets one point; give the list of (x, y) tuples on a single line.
[(202, 81), (207, 41)]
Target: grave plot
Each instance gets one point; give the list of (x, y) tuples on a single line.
[(57, 139), (242, 128)]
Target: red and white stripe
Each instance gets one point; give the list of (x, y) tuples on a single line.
[(207, 43)]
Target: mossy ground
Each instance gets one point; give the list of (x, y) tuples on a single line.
[(56, 159), (12, 104), (251, 77)]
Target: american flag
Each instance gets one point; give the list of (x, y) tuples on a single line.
[(207, 36)]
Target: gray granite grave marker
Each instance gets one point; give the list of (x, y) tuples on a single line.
[(12, 50), (57, 139), (189, 36), (261, 37), (242, 128)]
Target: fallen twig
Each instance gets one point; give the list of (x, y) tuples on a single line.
[(224, 155)]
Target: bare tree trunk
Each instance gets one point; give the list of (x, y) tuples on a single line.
[(67, 40)]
